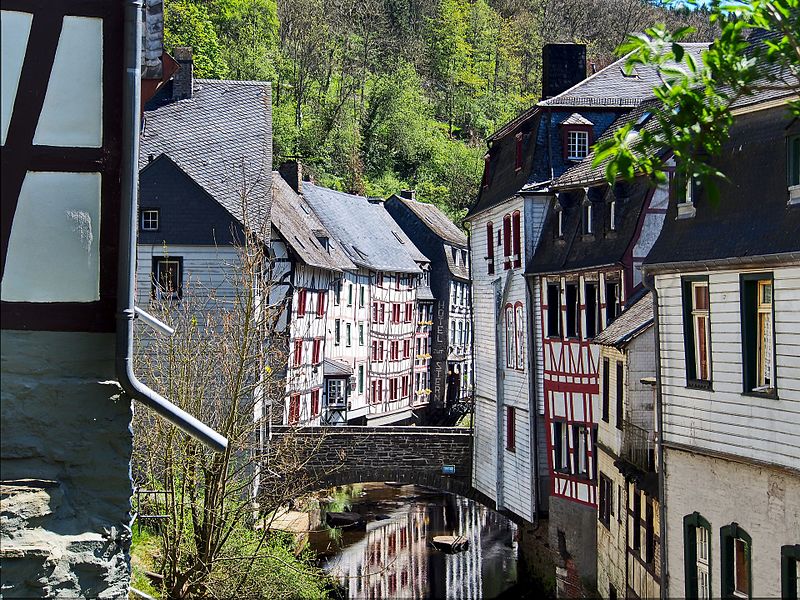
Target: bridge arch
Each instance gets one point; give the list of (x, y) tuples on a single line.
[(437, 457)]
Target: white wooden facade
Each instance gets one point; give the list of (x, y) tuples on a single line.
[(504, 465), (742, 445)]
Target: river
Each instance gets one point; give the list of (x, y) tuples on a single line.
[(391, 557)]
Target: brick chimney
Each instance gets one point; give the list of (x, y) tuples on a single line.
[(292, 173), (184, 78), (563, 65)]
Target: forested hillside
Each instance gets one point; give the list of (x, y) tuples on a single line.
[(378, 95)]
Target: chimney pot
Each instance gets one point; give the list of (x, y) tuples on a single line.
[(292, 173), (408, 194), (183, 80), (563, 65)]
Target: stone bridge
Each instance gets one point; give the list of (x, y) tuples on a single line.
[(439, 457)]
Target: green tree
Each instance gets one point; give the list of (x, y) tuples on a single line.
[(189, 24), (696, 98)]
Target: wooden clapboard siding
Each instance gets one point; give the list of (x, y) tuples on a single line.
[(725, 419), (205, 268), (517, 466)]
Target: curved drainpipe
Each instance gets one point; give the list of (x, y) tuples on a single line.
[(650, 283), (126, 310)]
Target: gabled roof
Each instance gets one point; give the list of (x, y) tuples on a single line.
[(576, 119), (436, 221), (300, 228), (611, 87), (336, 368), (634, 321), (222, 138), (364, 230)]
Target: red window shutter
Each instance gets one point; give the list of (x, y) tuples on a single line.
[(409, 312), (506, 242), (517, 243), (490, 247), (294, 409), (380, 390), (511, 432), (316, 350), (314, 403), (321, 298), (406, 348), (405, 386), (374, 350), (383, 312), (298, 352), (375, 311), (301, 303)]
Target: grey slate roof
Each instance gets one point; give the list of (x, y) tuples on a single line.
[(300, 228), (365, 231), (336, 368), (436, 221), (576, 119), (611, 87), (633, 321), (460, 270), (222, 139)]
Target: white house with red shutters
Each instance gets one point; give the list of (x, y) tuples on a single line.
[(304, 266), (371, 317)]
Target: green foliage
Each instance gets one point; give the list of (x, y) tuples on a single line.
[(187, 23), (377, 95), (694, 116)]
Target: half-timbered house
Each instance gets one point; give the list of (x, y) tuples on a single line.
[(373, 308), (726, 277), (449, 380), (304, 266)]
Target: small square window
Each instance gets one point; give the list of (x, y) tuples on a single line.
[(150, 221)]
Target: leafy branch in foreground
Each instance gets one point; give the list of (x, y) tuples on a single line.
[(693, 111)]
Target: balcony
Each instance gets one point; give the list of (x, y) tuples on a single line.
[(638, 446)]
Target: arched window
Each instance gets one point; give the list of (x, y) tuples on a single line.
[(511, 355), (735, 562), (519, 329), (697, 556), (515, 226)]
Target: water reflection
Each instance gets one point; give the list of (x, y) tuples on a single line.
[(391, 556)]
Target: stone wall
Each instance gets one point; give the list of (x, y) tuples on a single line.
[(573, 532), (65, 449), (343, 455)]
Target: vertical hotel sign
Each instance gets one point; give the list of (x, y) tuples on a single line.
[(61, 148)]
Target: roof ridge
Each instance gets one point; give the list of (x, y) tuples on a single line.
[(247, 82)]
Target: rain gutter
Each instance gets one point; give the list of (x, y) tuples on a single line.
[(126, 309)]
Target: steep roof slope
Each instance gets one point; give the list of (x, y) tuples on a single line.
[(634, 320), (222, 138), (301, 228), (365, 231), (436, 221)]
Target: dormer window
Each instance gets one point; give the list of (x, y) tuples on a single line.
[(576, 136), (685, 186), (577, 145), (560, 224), (518, 159), (793, 168), (486, 170), (588, 229), (612, 209)]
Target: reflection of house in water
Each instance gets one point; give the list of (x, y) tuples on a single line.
[(395, 560)]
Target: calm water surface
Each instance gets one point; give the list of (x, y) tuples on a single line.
[(392, 556)]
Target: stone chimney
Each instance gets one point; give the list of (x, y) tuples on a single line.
[(182, 80), (292, 173), (563, 65), (408, 194)]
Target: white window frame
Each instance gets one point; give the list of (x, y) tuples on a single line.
[(765, 359), (147, 218), (511, 355), (703, 543), (587, 218), (699, 314), (577, 144)]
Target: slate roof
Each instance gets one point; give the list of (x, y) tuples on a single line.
[(365, 231), (576, 119), (603, 248), (611, 87), (752, 217), (460, 270), (336, 368), (221, 138), (635, 320), (300, 228), (436, 221)]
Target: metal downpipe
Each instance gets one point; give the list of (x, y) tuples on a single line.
[(126, 311)]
